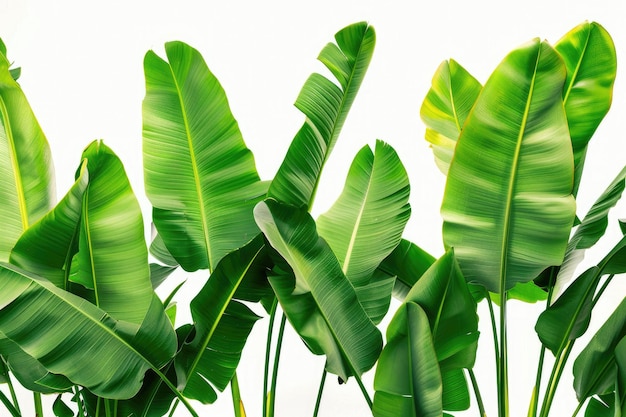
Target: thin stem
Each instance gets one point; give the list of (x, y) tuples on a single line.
[(268, 348), (320, 391), (5, 370), (279, 345), (494, 329), (555, 376), (601, 291), (364, 391), (79, 402), (479, 398), (174, 408), (14, 412), (38, 405), (580, 405), (236, 393), (503, 372)]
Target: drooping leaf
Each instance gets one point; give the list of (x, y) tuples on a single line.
[(407, 262), (455, 395), (316, 296), (325, 105), (74, 337), (222, 324), (26, 171), (159, 273), (595, 368), (507, 206), (61, 409), (445, 108), (200, 177), (408, 381), (589, 55)]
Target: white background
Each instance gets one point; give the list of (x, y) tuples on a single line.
[(82, 72)]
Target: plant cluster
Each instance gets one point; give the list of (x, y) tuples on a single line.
[(79, 316)]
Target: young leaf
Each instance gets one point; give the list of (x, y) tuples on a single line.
[(445, 108), (317, 298), (200, 177), (326, 106), (505, 224)]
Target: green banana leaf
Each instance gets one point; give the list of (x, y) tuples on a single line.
[(26, 172), (507, 206), (325, 105), (407, 263), (314, 293), (589, 55), (595, 368), (222, 322), (455, 395), (94, 237), (15, 72), (60, 409), (603, 406), (78, 340), (199, 176), (445, 108), (408, 381)]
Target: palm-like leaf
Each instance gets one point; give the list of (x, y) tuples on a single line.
[(508, 207), (76, 339), (316, 296), (445, 108), (199, 175), (590, 58), (26, 173), (326, 107)]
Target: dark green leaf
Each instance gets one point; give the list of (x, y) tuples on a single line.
[(60, 409)]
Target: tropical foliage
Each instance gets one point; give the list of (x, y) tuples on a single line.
[(79, 316)]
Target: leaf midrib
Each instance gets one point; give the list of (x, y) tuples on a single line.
[(578, 65)]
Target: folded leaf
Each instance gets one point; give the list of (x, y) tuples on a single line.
[(407, 262)]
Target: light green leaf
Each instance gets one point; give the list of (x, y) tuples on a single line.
[(325, 105), (75, 338), (408, 381), (26, 172), (445, 108), (408, 262), (316, 296), (199, 175), (373, 207), (595, 369), (589, 55), (508, 207)]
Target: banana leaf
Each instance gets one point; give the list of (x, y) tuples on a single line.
[(15, 72), (26, 171), (407, 263), (445, 108), (316, 296), (325, 105), (507, 206), (199, 176), (71, 337)]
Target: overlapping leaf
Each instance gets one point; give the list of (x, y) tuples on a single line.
[(326, 107), (316, 296), (200, 177), (508, 207), (408, 262)]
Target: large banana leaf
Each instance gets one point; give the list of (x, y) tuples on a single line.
[(595, 369), (373, 207), (325, 105), (70, 336), (589, 55), (508, 207), (316, 296), (445, 108), (222, 322), (26, 172), (94, 237), (408, 381), (199, 175)]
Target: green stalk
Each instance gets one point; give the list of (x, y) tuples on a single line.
[(268, 348), (503, 371), (320, 391), (14, 412), (174, 408), (5, 370), (236, 394), (555, 376), (580, 405), (494, 329), (601, 290), (479, 398), (279, 345), (38, 405), (364, 391), (79, 402)]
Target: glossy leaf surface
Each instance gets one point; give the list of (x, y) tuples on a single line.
[(325, 105), (407, 262), (316, 296), (200, 177), (445, 108), (508, 207)]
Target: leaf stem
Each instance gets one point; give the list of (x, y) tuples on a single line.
[(494, 328), (476, 388), (601, 290), (320, 391), (555, 376), (503, 372), (174, 408), (38, 405), (5, 370), (14, 412), (364, 391), (279, 345), (268, 348), (580, 405), (236, 394)]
